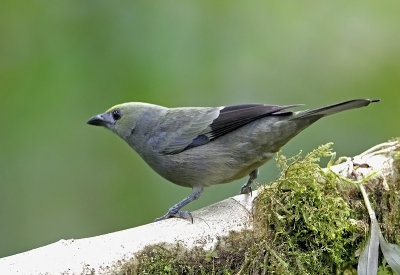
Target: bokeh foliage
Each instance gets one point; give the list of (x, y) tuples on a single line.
[(64, 61)]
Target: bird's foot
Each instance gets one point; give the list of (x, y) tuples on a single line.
[(246, 189), (174, 210), (176, 214)]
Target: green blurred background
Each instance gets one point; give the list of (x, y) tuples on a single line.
[(63, 61)]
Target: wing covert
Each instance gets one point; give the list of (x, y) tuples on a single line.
[(185, 128)]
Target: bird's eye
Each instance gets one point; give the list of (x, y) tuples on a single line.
[(116, 114)]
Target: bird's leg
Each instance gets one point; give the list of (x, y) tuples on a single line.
[(246, 188), (174, 211)]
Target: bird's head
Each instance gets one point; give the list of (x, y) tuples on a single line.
[(122, 119)]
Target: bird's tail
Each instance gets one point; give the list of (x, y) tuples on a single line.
[(315, 114)]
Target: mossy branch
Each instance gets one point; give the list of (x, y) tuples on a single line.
[(311, 220)]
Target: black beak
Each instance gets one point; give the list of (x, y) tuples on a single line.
[(99, 120)]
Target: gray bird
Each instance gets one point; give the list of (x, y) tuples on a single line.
[(202, 146)]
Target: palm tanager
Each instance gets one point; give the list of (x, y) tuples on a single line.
[(201, 146)]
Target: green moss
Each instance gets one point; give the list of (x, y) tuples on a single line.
[(228, 256), (306, 219), (309, 221), (388, 202)]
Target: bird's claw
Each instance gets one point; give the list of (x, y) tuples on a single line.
[(246, 189), (178, 214)]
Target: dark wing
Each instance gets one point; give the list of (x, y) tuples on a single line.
[(232, 117)]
